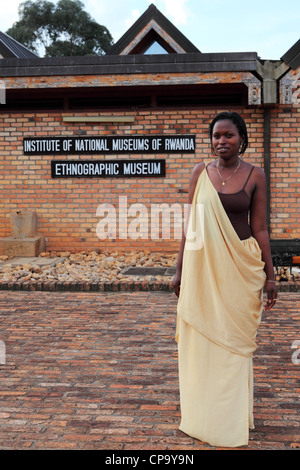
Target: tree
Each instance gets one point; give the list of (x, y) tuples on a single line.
[(64, 29)]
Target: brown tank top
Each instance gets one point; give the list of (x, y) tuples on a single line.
[(237, 207)]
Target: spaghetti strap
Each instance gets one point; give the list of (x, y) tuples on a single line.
[(248, 177)]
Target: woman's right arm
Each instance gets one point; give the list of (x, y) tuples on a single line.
[(194, 178)]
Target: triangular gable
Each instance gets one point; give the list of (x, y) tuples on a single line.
[(152, 27)]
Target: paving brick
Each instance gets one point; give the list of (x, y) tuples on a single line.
[(98, 370)]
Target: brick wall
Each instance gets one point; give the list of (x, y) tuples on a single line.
[(285, 178), (66, 208)]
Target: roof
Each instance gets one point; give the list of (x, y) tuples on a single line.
[(131, 64), (292, 56), (10, 48), (152, 27)]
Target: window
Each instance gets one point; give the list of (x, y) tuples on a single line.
[(155, 48)]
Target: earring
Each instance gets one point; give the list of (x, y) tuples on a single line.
[(241, 152)]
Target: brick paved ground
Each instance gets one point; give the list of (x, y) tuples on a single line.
[(99, 371)]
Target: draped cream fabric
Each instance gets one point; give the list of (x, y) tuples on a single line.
[(219, 311)]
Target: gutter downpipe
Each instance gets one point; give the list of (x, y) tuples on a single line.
[(267, 159)]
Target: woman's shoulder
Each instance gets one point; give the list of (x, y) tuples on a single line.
[(256, 176), (256, 171), (197, 170)]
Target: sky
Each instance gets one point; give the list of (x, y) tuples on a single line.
[(268, 27)]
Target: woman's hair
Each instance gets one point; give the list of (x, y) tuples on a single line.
[(238, 121)]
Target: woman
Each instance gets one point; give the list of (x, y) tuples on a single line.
[(223, 265)]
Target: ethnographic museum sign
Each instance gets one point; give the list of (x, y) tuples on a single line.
[(108, 168), (107, 145)]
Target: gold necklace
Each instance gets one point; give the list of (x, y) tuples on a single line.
[(224, 181)]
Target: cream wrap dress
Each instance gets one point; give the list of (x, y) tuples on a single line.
[(219, 311)]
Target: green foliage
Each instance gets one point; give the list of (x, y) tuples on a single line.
[(64, 29)]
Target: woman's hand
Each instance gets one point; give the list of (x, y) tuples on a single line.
[(176, 283), (271, 291)]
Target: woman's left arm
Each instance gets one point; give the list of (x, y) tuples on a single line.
[(258, 222)]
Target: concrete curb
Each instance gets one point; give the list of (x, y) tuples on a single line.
[(109, 286), (82, 286)]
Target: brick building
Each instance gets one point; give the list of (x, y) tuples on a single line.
[(101, 147)]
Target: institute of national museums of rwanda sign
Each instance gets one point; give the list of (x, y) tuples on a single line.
[(109, 145)]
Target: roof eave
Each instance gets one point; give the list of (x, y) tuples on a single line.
[(131, 64), (292, 56)]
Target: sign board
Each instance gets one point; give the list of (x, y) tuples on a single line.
[(87, 145), (108, 168)]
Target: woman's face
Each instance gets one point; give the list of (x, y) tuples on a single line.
[(226, 140)]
